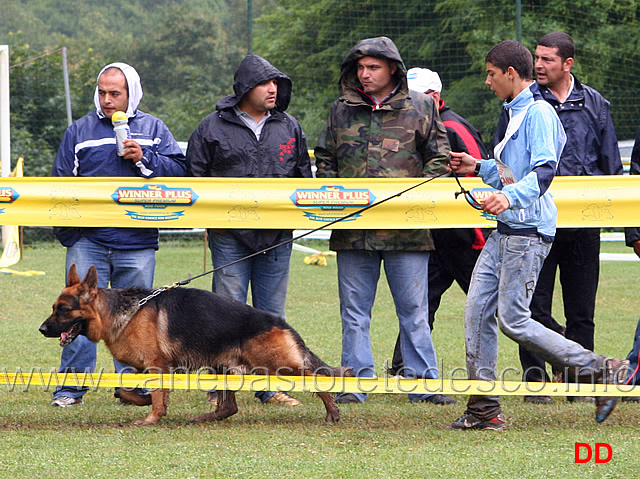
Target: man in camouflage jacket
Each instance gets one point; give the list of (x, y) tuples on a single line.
[(377, 130)]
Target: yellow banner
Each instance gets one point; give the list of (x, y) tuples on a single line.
[(387, 385), (11, 253), (593, 201)]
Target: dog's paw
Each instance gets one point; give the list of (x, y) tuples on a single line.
[(205, 417), (333, 418), (148, 421)]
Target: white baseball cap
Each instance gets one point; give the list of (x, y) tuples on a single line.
[(423, 80)]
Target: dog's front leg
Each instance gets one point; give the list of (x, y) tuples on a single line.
[(159, 401)]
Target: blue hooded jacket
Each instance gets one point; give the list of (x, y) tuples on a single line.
[(88, 149)]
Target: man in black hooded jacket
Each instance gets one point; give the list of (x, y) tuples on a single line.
[(250, 135)]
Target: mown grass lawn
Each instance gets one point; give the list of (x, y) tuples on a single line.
[(385, 437)]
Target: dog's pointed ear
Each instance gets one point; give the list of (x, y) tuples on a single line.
[(91, 279), (72, 276)]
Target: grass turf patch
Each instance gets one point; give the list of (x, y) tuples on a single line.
[(385, 437)]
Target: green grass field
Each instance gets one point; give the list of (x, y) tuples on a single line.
[(385, 437)]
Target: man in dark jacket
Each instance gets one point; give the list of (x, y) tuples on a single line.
[(377, 129), (632, 239), (591, 149), (250, 135), (457, 249), (124, 257)]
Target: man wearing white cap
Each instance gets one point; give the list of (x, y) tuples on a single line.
[(457, 249)]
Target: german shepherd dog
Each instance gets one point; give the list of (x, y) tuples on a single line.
[(183, 329)]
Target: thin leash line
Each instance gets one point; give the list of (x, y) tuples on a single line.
[(295, 238)]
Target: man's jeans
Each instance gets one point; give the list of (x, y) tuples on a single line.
[(121, 268), (634, 359), (407, 272), (502, 285), (268, 274)]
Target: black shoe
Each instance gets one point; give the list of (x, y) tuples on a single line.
[(614, 371), (538, 399), (630, 398), (469, 421), (347, 398), (439, 399)]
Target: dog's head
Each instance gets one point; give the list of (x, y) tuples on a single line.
[(73, 309)]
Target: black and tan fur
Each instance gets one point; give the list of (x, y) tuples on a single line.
[(183, 329)]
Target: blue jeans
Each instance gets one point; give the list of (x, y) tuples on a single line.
[(634, 359), (406, 272), (267, 273), (121, 269), (502, 286)]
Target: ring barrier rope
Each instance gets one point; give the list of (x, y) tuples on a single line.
[(333, 384)]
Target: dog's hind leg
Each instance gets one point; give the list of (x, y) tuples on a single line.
[(225, 407), (333, 414), (159, 401)]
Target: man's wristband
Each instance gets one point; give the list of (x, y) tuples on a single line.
[(477, 170)]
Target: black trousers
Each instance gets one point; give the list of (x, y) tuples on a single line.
[(453, 260), (576, 253)]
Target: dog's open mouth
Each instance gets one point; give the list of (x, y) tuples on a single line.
[(67, 337)]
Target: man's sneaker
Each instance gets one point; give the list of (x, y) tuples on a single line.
[(581, 399), (439, 399), (469, 421), (347, 398), (282, 399), (614, 371), (66, 401), (538, 399)]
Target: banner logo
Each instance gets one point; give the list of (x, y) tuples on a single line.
[(156, 197), (479, 195), (331, 198), (8, 195)]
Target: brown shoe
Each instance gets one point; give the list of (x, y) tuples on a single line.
[(538, 399), (614, 371), (283, 399)]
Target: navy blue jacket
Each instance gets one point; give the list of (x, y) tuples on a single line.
[(633, 234), (592, 145), (88, 148)]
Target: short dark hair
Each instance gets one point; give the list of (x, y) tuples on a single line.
[(512, 54), (560, 40)]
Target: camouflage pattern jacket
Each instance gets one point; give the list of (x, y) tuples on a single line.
[(402, 138)]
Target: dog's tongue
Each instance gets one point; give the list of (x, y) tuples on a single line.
[(63, 338)]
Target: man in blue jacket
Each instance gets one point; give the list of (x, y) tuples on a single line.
[(505, 275), (124, 257), (591, 149), (251, 135)]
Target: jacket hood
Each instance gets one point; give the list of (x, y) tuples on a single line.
[(133, 84), (379, 47), (252, 71)]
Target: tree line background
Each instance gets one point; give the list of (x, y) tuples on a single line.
[(186, 52)]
